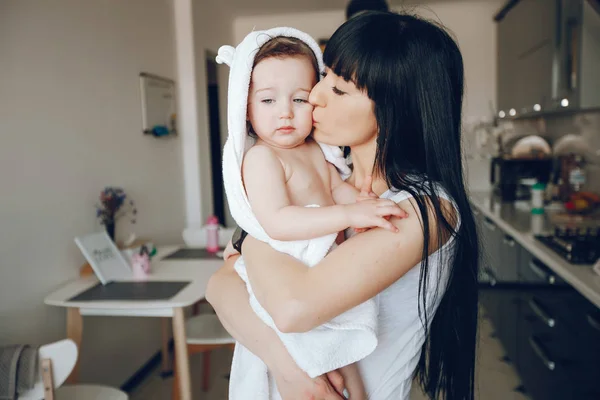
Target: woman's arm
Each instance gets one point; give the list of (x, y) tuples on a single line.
[(227, 293), (300, 298)]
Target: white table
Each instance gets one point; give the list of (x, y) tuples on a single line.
[(196, 271)]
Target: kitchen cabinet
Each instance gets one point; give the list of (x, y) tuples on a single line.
[(533, 271), (550, 333), (506, 321), (525, 56), (491, 239), (509, 259), (554, 361), (548, 56), (543, 352)]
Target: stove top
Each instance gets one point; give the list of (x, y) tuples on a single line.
[(576, 245)]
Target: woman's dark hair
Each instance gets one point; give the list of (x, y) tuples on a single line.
[(413, 71)]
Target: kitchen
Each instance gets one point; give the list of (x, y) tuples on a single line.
[(532, 90), (539, 223)]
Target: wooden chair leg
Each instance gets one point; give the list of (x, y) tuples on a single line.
[(206, 371), (47, 379), (175, 389)]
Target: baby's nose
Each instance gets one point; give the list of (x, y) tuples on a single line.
[(286, 111)]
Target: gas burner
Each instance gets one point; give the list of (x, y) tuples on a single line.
[(576, 245)]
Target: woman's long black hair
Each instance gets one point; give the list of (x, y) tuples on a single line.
[(413, 71)]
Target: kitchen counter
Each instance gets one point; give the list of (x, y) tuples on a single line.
[(515, 219)]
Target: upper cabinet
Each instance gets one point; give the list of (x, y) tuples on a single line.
[(548, 56)]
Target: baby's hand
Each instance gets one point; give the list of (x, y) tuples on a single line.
[(373, 212), (366, 193)]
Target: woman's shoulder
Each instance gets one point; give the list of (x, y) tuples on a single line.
[(398, 195), (449, 207)]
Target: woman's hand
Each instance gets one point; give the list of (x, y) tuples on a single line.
[(295, 384), (229, 251)]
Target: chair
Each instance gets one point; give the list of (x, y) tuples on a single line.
[(56, 363), (204, 334)]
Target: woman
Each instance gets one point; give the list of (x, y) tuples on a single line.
[(392, 94)]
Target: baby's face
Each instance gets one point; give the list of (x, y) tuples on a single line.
[(278, 106)]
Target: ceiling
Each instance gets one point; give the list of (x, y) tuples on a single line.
[(265, 7)]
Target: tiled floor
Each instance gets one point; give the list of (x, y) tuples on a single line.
[(495, 378)]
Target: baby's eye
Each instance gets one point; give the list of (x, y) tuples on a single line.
[(267, 101), (301, 101)]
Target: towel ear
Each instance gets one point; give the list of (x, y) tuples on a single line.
[(225, 55)]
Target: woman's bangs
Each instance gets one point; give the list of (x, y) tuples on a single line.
[(351, 54), (347, 59)]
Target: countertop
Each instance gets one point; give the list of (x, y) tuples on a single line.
[(515, 219)]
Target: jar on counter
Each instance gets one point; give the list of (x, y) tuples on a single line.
[(577, 174)]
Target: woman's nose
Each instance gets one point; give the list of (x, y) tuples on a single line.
[(316, 97)]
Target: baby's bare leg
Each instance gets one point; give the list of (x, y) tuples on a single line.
[(353, 382)]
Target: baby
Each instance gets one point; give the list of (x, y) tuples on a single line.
[(286, 171)]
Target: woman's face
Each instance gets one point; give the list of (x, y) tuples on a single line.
[(342, 115)]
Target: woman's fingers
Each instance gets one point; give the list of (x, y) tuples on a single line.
[(385, 224), (337, 381), (229, 251), (325, 390), (391, 205)]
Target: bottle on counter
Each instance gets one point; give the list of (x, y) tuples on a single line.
[(212, 234), (577, 174), (537, 198)]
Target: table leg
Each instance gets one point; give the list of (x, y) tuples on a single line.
[(181, 354), (165, 357), (74, 332)]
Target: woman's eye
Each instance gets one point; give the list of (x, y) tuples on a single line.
[(267, 101), (337, 91), (301, 101), (323, 74)]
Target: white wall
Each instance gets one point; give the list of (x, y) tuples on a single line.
[(471, 23), (70, 124)]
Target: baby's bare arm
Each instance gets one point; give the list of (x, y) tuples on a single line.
[(265, 184), (342, 192)]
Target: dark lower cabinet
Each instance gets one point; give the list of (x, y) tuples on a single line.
[(550, 333), (545, 362), (506, 328)]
